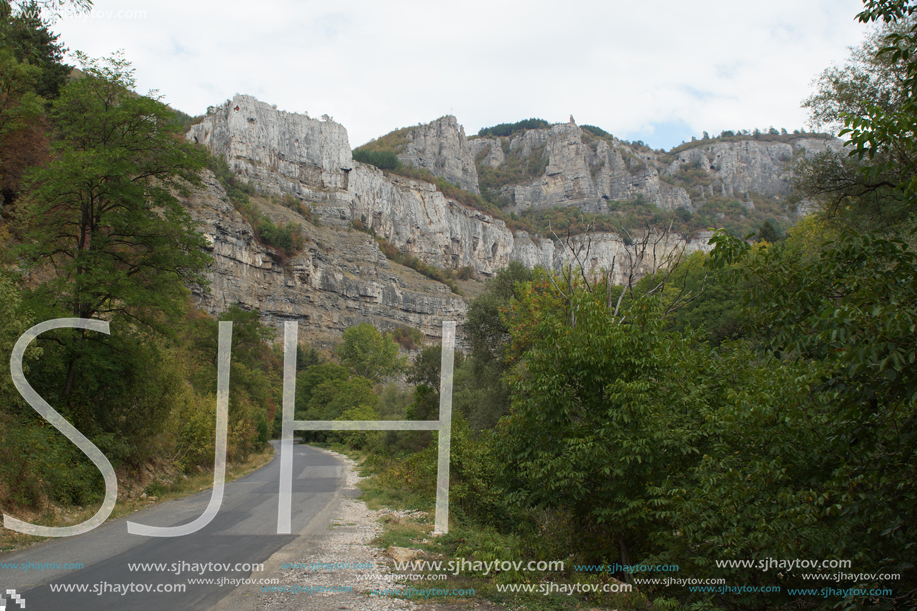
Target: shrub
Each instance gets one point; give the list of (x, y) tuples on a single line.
[(408, 338), (384, 160), (285, 237), (515, 169), (296, 205), (237, 190), (434, 273)]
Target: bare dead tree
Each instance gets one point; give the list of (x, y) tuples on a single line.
[(650, 255)]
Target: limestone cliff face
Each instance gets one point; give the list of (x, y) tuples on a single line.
[(418, 219), (599, 253), (341, 280), (423, 223), (492, 150), (748, 165), (259, 141), (579, 171), (442, 148), (574, 167)]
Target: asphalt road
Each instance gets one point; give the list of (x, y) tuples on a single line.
[(243, 532)]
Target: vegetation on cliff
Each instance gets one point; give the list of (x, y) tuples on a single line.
[(447, 276), (508, 129)]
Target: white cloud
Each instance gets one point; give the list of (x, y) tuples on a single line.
[(376, 66)]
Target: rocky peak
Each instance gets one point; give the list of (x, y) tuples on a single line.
[(734, 168), (442, 148), (586, 172), (258, 140)]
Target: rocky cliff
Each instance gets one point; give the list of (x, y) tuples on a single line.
[(578, 171), (566, 165), (736, 168), (442, 148), (311, 159), (343, 278), (259, 141)]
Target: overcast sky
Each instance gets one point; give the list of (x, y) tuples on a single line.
[(653, 70)]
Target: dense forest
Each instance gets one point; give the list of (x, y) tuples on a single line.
[(726, 410), (92, 229), (755, 405)]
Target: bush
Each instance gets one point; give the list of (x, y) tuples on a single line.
[(384, 160), (408, 338), (285, 237), (295, 205), (237, 190), (515, 169), (369, 353)]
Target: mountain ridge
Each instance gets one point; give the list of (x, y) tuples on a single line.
[(346, 280)]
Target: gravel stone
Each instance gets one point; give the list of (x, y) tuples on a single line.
[(347, 540)]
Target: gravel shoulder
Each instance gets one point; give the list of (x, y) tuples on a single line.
[(342, 534)]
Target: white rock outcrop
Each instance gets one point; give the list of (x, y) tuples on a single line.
[(738, 167), (442, 148), (310, 159), (258, 140), (579, 171)]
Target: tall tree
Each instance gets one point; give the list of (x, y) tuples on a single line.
[(885, 133), (370, 354), (486, 395), (104, 222), (28, 35), (863, 186), (31, 71)]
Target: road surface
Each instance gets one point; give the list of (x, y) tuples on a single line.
[(243, 533)]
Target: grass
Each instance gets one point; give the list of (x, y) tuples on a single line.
[(404, 532), (11, 541), (467, 541), (394, 141)]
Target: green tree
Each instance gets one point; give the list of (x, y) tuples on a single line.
[(598, 415), (103, 213), (306, 356), (254, 390), (883, 133), (30, 68), (484, 396), (765, 484), (715, 306), (385, 160), (768, 233), (862, 187), (425, 373), (328, 392), (32, 42), (370, 354), (332, 398), (308, 382), (849, 312)]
